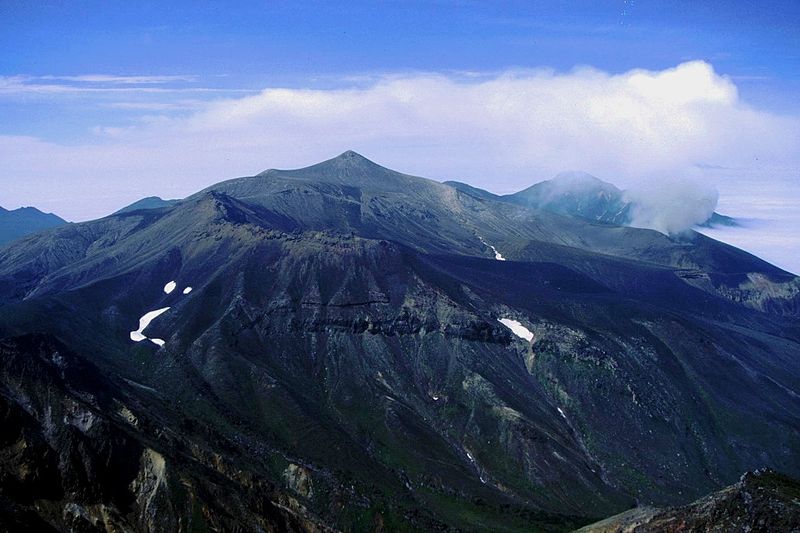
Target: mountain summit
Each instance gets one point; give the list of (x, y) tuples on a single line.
[(349, 160), (344, 346), (342, 164), (349, 168)]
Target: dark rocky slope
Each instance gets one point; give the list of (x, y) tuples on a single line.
[(83, 450), (761, 502)]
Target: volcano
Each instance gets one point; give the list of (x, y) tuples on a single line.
[(340, 347)]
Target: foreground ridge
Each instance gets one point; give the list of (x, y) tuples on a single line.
[(762, 500)]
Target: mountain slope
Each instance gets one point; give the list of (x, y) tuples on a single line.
[(336, 330), (24, 221)]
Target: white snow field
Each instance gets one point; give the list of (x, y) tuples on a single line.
[(517, 329), (138, 336)]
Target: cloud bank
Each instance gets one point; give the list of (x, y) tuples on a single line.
[(770, 219), (500, 131)]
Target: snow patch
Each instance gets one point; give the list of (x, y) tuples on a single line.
[(477, 467), (497, 255), (517, 329), (138, 336)]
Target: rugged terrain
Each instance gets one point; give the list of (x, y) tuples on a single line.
[(762, 501), (332, 357)]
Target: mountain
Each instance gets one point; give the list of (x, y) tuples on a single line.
[(150, 202), (761, 501), (577, 194), (338, 346), (720, 220), (24, 221), (583, 195)]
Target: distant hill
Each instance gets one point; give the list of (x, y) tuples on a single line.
[(719, 220), (577, 194), (151, 202), (24, 221)]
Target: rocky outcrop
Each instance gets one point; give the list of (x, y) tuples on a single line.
[(71, 461), (298, 478), (762, 501)]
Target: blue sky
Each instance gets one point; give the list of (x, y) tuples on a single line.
[(269, 42), (105, 102), (251, 45)]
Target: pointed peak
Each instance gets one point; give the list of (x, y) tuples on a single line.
[(352, 169), (344, 161), (350, 154), (351, 158)]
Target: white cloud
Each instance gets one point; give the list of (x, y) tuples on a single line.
[(113, 78), (98, 85), (502, 132), (671, 206)]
